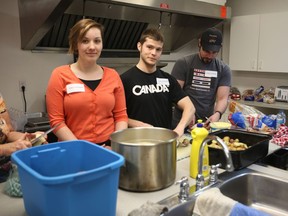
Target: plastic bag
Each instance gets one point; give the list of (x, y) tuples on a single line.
[(12, 186), (270, 120), (244, 109), (247, 117), (237, 119)]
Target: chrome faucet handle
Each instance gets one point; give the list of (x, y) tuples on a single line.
[(184, 189), (214, 173), (200, 181)]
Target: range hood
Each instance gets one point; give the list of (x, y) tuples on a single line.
[(45, 24)]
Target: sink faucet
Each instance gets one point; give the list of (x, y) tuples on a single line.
[(229, 164), (184, 189)]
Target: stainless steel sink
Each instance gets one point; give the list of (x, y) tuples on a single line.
[(259, 191), (255, 189)]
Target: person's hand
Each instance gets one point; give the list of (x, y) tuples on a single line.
[(214, 118), (206, 125), (31, 136), (8, 148), (38, 133), (107, 147), (192, 124), (34, 135)]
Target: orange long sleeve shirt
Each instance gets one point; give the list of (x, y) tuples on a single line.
[(90, 115)]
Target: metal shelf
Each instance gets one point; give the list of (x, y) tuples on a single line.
[(276, 105)]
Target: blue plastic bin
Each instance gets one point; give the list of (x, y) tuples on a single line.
[(70, 178)]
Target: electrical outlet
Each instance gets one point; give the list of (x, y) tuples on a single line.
[(22, 83)]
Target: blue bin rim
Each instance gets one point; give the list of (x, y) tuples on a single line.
[(69, 177)]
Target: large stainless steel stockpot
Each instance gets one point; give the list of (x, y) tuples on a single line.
[(150, 157)]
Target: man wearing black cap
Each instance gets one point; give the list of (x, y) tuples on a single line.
[(205, 78)]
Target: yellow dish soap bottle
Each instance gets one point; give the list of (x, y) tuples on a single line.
[(199, 133)]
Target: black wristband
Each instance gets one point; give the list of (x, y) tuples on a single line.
[(219, 113)]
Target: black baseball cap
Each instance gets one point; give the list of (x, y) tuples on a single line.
[(211, 40)]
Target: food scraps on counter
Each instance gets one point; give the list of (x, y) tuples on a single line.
[(185, 140)]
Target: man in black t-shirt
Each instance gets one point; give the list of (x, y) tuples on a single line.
[(150, 92)]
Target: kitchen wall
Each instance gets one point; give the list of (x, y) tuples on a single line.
[(246, 79), (18, 65), (35, 68), (251, 80)]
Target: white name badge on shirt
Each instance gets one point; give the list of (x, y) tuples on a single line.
[(75, 87), (209, 73), (162, 81)]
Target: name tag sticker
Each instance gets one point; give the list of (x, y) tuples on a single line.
[(209, 73), (76, 87), (162, 81)]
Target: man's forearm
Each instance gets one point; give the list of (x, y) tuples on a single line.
[(136, 123)]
